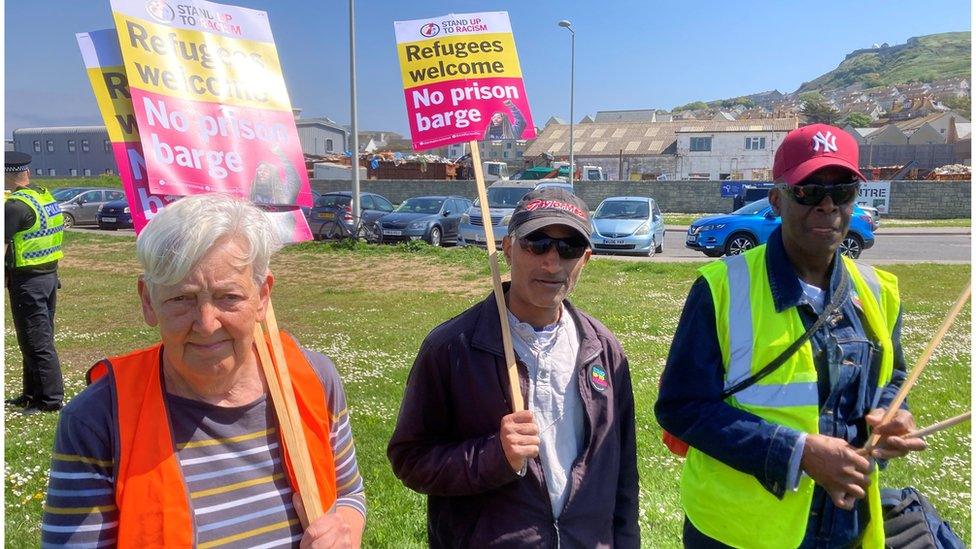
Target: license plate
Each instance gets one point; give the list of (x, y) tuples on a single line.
[(692, 238), (108, 220), (326, 215), (389, 232), (612, 241)]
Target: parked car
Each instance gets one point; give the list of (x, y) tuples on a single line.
[(875, 216), (752, 224), (114, 215), (503, 196), (434, 219), (81, 208), (628, 225), (556, 183), (338, 206), (67, 193), (307, 211)]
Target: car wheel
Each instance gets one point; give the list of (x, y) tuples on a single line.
[(434, 238), (652, 249), (852, 245), (69, 220), (660, 247), (738, 243)]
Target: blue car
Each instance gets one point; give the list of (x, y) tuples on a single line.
[(434, 219), (628, 225), (752, 224), (114, 215)]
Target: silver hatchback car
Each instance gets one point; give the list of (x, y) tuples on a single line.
[(628, 225)]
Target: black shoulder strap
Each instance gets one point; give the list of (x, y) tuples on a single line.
[(835, 302)]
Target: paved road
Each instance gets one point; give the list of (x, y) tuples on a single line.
[(937, 245), (907, 245)]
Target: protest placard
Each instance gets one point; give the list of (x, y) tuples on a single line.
[(106, 73), (210, 101), (462, 80)]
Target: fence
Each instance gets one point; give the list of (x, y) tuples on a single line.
[(909, 199)]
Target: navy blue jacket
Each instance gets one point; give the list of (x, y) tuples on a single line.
[(689, 406)]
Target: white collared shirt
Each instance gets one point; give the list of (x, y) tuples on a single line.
[(550, 356)]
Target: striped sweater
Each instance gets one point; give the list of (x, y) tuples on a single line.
[(231, 461)]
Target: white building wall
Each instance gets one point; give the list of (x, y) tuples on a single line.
[(728, 156)]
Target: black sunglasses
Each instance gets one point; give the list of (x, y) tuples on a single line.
[(540, 243), (811, 194)]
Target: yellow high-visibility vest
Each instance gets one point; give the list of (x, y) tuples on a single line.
[(731, 506)]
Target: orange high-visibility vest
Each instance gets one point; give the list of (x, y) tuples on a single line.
[(154, 507)]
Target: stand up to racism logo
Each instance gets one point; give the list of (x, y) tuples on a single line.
[(462, 80)]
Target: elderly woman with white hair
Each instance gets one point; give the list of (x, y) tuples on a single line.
[(178, 445)]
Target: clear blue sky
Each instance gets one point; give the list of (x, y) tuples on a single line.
[(629, 54)]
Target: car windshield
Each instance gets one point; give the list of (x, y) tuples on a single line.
[(753, 208), (622, 209), (333, 201), (66, 194), (421, 205), (506, 197)]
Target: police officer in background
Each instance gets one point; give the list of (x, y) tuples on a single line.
[(32, 237)]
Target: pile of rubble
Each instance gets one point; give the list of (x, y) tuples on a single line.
[(951, 172)]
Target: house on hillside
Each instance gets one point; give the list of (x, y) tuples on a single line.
[(938, 120)]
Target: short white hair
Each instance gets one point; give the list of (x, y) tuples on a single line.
[(184, 232)]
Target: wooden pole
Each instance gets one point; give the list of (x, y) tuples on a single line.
[(942, 425), (515, 388), (286, 408), (920, 364)]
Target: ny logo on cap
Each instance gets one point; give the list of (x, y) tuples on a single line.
[(828, 141)]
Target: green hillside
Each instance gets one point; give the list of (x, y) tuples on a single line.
[(921, 59)]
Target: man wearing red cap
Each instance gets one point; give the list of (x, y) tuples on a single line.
[(782, 364)]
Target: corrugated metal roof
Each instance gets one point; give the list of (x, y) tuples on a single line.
[(640, 138)]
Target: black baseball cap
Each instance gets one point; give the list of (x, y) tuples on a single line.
[(550, 206)]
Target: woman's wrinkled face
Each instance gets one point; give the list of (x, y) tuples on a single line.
[(206, 321)]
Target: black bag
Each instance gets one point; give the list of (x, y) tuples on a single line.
[(910, 522)]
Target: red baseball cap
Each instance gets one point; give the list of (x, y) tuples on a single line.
[(810, 148)]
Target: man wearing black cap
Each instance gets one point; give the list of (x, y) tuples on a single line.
[(782, 364), (562, 473), (33, 233)]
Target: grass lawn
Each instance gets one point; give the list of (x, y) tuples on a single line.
[(960, 222), (369, 309)]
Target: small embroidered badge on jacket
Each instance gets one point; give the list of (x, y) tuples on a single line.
[(598, 378)]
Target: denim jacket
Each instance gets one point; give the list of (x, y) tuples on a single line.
[(690, 408)]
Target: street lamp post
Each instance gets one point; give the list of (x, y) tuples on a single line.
[(354, 114), (572, 80)]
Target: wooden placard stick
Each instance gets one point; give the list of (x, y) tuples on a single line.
[(515, 388), (920, 365), (931, 429), (286, 409), (940, 426)]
